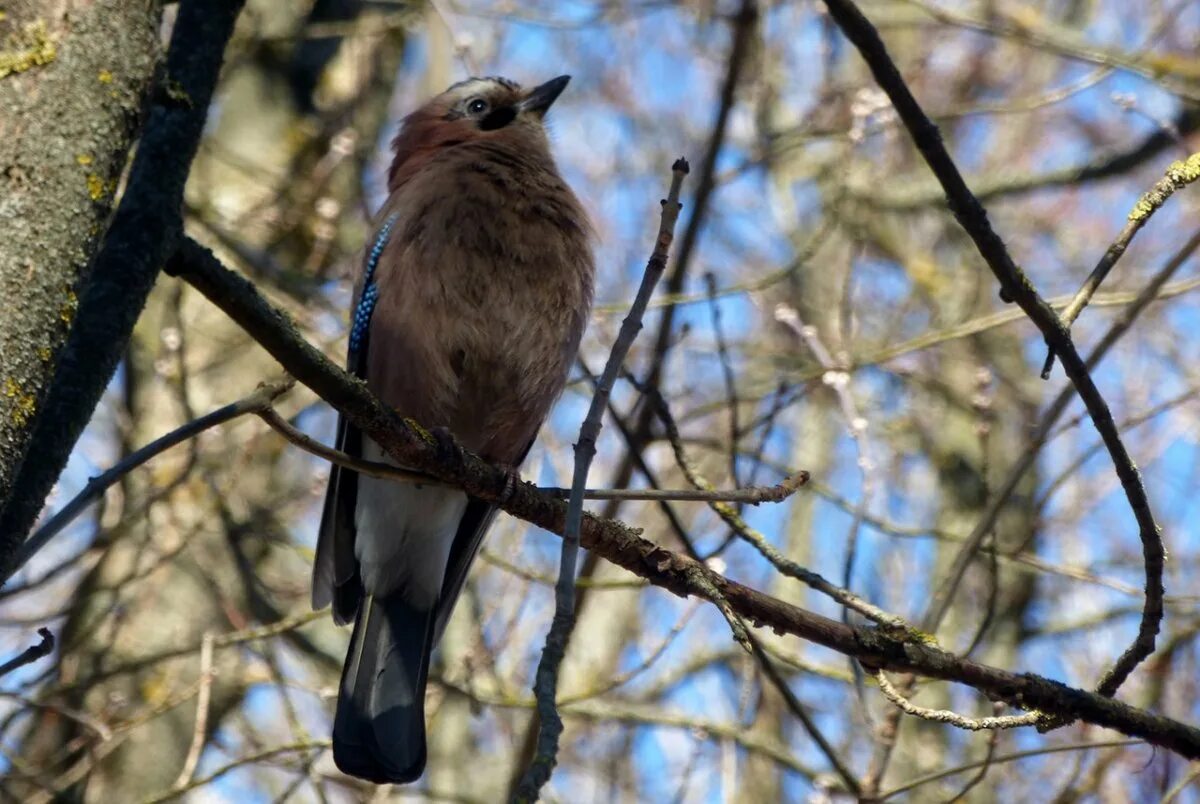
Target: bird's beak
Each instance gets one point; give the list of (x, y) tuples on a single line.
[(540, 98)]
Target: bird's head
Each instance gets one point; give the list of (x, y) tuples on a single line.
[(470, 111)]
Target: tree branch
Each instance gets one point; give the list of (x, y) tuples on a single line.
[(953, 718), (546, 685), (143, 233), (752, 495), (1016, 286), (1178, 175), (624, 546), (256, 402), (30, 654)]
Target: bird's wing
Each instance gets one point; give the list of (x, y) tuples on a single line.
[(476, 521), (335, 568)]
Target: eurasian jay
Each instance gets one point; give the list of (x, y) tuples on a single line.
[(468, 313)]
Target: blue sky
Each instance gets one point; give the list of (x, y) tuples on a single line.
[(643, 92)]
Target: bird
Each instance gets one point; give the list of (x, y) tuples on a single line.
[(468, 312)]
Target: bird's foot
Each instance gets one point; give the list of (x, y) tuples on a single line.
[(450, 453), (448, 450), (511, 478)]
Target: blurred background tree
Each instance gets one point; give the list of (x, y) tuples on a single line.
[(823, 311)]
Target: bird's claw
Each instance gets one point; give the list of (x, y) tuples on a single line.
[(511, 478), (448, 450)]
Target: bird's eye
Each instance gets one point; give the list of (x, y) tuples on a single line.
[(477, 106)]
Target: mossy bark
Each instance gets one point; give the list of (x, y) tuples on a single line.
[(73, 81)]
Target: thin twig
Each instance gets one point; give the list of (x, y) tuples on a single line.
[(200, 729), (615, 541), (1045, 38), (1178, 176), (92, 724), (621, 679), (981, 403), (30, 654), (760, 542), (283, 626), (1017, 287), (1004, 758), (256, 402), (616, 711), (550, 724), (744, 25), (1132, 422), (1188, 778), (993, 320), (731, 393), (768, 422), (119, 733), (753, 495), (844, 772), (838, 379), (377, 469), (549, 580), (953, 718), (251, 759)]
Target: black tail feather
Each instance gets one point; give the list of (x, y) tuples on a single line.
[(379, 729)]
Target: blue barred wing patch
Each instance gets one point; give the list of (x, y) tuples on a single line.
[(370, 295)]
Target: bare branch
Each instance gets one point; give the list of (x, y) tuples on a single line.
[(623, 546), (1017, 287), (30, 654), (752, 495), (550, 725), (953, 718), (993, 741), (838, 379), (1178, 176), (306, 746), (256, 402), (200, 728), (1037, 752)]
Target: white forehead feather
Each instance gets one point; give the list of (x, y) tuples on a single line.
[(479, 86)]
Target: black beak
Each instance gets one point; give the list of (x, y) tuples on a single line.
[(540, 98)]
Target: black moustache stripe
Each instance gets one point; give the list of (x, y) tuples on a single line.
[(499, 118)]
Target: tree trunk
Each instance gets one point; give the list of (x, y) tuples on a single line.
[(74, 77)]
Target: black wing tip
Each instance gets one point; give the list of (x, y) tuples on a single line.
[(347, 598), (344, 600)]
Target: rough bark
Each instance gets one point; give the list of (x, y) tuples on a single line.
[(74, 77), (139, 239)]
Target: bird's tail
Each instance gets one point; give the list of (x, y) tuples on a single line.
[(379, 729)]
